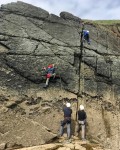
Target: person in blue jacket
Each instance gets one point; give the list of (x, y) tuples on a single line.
[(86, 36), (67, 120)]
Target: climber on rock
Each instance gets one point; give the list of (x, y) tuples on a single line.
[(86, 36), (67, 120), (81, 121), (50, 72)]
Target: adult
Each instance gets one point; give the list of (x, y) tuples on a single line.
[(82, 121)]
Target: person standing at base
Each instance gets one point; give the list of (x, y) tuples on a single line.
[(67, 120), (82, 121)]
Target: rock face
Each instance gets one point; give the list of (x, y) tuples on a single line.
[(31, 38)]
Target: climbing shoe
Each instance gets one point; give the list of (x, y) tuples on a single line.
[(45, 86)]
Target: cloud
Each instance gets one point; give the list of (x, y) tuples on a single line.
[(85, 9)]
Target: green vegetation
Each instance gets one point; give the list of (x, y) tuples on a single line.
[(103, 22), (107, 22)]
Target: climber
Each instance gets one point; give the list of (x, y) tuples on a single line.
[(50, 72), (86, 36), (82, 121), (67, 120)]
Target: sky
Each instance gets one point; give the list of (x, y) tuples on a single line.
[(85, 9)]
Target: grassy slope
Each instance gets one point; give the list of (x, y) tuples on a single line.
[(107, 25), (103, 22), (107, 22)]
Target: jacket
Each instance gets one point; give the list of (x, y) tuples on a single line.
[(67, 112), (82, 115)]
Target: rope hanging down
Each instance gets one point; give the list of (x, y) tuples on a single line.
[(80, 60)]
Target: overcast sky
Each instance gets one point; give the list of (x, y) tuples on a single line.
[(85, 9)]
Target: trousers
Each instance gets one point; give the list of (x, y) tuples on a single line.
[(81, 125), (68, 123)]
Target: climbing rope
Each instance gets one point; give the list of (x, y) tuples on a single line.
[(80, 60)]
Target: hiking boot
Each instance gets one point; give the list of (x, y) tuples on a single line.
[(83, 139), (68, 141)]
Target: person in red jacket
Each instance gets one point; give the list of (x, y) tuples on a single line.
[(50, 72)]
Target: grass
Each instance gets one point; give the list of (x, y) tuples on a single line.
[(107, 22), (103, 22)]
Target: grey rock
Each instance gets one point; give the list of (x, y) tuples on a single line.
[(56, 19), (64, 33), (69, 16), (103, 68), (25, 10)]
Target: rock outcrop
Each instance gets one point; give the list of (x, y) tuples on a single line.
[(76, 145), (31, 38)]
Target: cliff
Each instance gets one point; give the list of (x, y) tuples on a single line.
[(31, 38)]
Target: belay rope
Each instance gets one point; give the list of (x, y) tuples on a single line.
[(80, 60)]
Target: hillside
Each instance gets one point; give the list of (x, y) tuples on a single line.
[(109, 25)]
